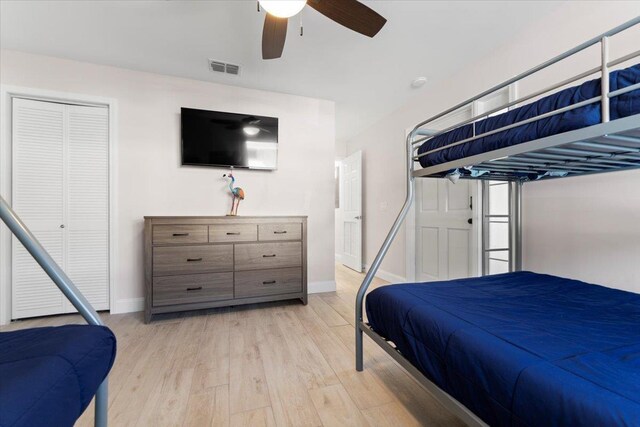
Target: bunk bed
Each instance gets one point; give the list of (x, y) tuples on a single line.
[(48, 376), (521, 348)]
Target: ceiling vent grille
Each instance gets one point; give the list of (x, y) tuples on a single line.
[(223, 67)]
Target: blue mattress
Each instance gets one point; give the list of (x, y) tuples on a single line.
[(620, 106), (48, 376), (521, 349)]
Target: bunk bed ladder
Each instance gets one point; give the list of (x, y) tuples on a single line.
[(64, 283)]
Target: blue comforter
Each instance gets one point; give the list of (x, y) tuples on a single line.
[(521, 349), (48, 376), (620, 106)]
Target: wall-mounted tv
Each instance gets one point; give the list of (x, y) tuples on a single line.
[(214, 138)]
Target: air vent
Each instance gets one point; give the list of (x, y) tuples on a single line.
[(233, 69), (223, 67)]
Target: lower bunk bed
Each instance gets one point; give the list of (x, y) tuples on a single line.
[(48, 376), (520, 349)]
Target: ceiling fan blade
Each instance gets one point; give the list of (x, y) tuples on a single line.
[(274, 33), (352, 14)]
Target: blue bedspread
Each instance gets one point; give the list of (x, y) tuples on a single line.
[(621, 106), (48, 376), (521, 349)]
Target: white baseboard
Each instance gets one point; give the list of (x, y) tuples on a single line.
[(389, 277), (324, 286), (128, 305)]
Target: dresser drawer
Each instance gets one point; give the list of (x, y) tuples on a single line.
[(285, 231), (192, 288), (256, 256), (173, 234), (233, 233), (192, 259), (276, 281)]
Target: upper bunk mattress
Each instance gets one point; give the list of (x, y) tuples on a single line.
[(620, 106), (521, 349)]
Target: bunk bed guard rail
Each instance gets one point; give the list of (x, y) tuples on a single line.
[(64, 283), (419, 134)]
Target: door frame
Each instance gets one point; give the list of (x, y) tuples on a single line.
[(7, 93)]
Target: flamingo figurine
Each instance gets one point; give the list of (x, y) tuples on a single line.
[(237, 194)]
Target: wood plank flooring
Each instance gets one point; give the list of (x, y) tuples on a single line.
[(280, 364)]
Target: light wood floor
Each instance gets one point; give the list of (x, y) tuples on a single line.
[(261, 365)]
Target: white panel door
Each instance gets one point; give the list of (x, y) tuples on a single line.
[(60, 189), (37, 197), (87, 207), (445, 244), (352, 211)]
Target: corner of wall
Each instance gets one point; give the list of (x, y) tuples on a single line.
[(321, 286)]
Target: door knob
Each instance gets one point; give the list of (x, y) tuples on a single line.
[(358, 217), (61, 225), (470, 221)]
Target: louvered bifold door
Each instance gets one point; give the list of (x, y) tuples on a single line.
[(60, 190), (38, 198), (87, 202)]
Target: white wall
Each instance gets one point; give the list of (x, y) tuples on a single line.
[(586, 228), (151, 180), (383, 143)]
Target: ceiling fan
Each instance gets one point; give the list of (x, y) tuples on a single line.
[(349, 13)]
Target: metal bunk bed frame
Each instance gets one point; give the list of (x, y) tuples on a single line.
[(64, 283), (607, 146)]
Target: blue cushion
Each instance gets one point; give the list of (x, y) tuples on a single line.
[(48, 376)]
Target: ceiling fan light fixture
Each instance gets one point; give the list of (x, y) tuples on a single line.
[(283, 8), (251, 130)]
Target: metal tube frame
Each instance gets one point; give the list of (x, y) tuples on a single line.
[(516, 210), (64, 283)]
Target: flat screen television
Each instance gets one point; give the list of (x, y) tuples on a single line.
[(214, 138)]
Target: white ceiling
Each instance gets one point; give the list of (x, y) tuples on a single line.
[(367, 78)]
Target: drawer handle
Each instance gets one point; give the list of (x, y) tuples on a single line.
[(280, 232), (269, 256), (194, 259), (269, 282), (199, 288), (233, 234), (180, 234)]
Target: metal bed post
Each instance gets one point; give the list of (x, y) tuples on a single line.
[(517, 225), (383, 250), (604, 81), (64, 283)]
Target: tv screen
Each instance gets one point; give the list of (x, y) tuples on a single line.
[(213, 138)]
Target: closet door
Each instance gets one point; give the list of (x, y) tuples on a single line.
[(38, 197), (87, 202), (61, 191)]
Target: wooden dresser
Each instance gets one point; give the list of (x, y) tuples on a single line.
[(193, 263)]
